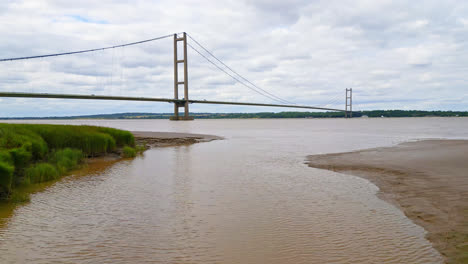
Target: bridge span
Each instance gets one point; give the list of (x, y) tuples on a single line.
[(152, 99), (180, 79)]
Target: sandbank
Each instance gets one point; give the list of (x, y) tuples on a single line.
[(427, 180)]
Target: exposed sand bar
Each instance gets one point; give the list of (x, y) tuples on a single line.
[(166, 139), (427, 179)]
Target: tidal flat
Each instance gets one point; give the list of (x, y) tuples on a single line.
[(427, 179)]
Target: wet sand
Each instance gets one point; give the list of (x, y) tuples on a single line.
[(427, 179), (169, 139)]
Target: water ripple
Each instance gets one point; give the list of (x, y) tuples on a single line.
[(234, 201)]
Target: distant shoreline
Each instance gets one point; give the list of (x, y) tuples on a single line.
[(260, 115), (426, 179)]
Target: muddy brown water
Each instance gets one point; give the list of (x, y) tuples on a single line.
[(246, 199)]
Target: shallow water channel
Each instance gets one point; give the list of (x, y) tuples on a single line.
[(246, 199)]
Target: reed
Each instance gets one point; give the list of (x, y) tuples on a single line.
[(66, 159), (6, 178), (40, 172), (19, 197), (32, 153), (129, 152)]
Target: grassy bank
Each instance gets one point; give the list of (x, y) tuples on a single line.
[(31, 153)]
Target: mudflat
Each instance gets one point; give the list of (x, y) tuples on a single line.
[(426, 179), (168, 139)]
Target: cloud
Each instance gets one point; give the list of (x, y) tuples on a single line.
[(303, 51), (87, 19), (418, 56), (385, 74), (277, 12)]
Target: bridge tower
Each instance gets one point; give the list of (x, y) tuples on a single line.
[(349, 103), (184, 102)]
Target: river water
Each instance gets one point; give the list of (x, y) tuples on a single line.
[(246, 199)]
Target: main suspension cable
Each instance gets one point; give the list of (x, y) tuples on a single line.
[(84, 51), (240, 76), (217, 66)]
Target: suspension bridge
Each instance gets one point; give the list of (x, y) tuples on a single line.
[(180, 79)]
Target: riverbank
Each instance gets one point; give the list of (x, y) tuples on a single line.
[(36, 153), (97, 161), (427, 180)]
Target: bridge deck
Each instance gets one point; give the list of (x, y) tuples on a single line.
[(151, 99)]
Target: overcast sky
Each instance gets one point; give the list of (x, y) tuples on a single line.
[(394, 54)]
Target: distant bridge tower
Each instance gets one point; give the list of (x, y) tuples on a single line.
[(184, 102), (349, 103)]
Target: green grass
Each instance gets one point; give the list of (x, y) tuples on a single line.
[(66, 159), (40, 172), (140, 148), (129, 152), (6, 177), (32, 153), (122, 138), (19, 197)]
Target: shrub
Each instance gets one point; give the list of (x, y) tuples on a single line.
[(41, 172), (6, 177), (129, 152)]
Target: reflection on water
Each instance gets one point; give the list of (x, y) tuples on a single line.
[(246, 199)]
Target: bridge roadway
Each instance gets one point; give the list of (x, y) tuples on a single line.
[(149, 99)]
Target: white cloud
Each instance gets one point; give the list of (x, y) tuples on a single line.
[(464, 22), (418, 56), (418, 24), (304, 51)]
